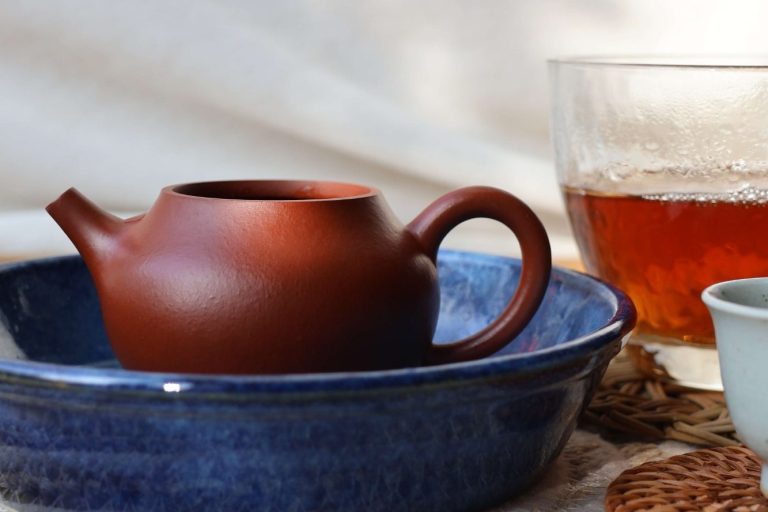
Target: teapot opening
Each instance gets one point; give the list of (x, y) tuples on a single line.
[(274, 190)]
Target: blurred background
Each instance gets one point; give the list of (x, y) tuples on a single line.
[(417, 98)]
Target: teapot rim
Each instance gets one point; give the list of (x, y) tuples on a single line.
[(271, 190)]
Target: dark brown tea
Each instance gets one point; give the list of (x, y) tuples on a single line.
[(664, 249)]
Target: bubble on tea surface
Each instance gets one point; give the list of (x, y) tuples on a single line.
[(704, 176), (747, 194)]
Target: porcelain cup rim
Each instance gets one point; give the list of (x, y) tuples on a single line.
[(714, 297)]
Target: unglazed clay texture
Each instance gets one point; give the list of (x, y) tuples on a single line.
[(288, 277), (77, 435)]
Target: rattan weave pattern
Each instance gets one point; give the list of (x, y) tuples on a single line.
[(634, 404), (709, 480)]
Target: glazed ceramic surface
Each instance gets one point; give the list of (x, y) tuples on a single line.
[(288, 277), (739, 310), (76, 434)]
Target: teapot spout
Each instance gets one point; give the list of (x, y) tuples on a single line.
[(90, 228)]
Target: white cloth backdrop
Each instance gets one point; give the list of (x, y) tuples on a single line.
[(415, 97)]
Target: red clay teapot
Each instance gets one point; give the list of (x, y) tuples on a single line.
[(288, 276)]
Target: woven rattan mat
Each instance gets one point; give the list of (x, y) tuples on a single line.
[(712, 479), (630, 403)]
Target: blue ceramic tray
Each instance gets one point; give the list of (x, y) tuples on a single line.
[(76, 435)]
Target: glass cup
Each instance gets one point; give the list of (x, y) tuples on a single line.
[(663, 165)]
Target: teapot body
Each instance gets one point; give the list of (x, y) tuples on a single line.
[(267, 282)]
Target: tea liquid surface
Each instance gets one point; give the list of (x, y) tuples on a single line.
[(664, 249)]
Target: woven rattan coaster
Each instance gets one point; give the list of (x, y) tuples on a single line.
[(643, 407), (713, 479)]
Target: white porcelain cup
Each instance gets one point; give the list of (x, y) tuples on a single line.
[(739, 310)]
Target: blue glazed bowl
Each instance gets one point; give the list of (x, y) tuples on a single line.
[(77, 434)]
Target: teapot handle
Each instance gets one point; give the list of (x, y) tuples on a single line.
[(450, 210)]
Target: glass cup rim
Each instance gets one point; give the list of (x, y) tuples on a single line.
[(664, 61)]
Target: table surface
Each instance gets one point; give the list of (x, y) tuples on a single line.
[(577, 481)]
